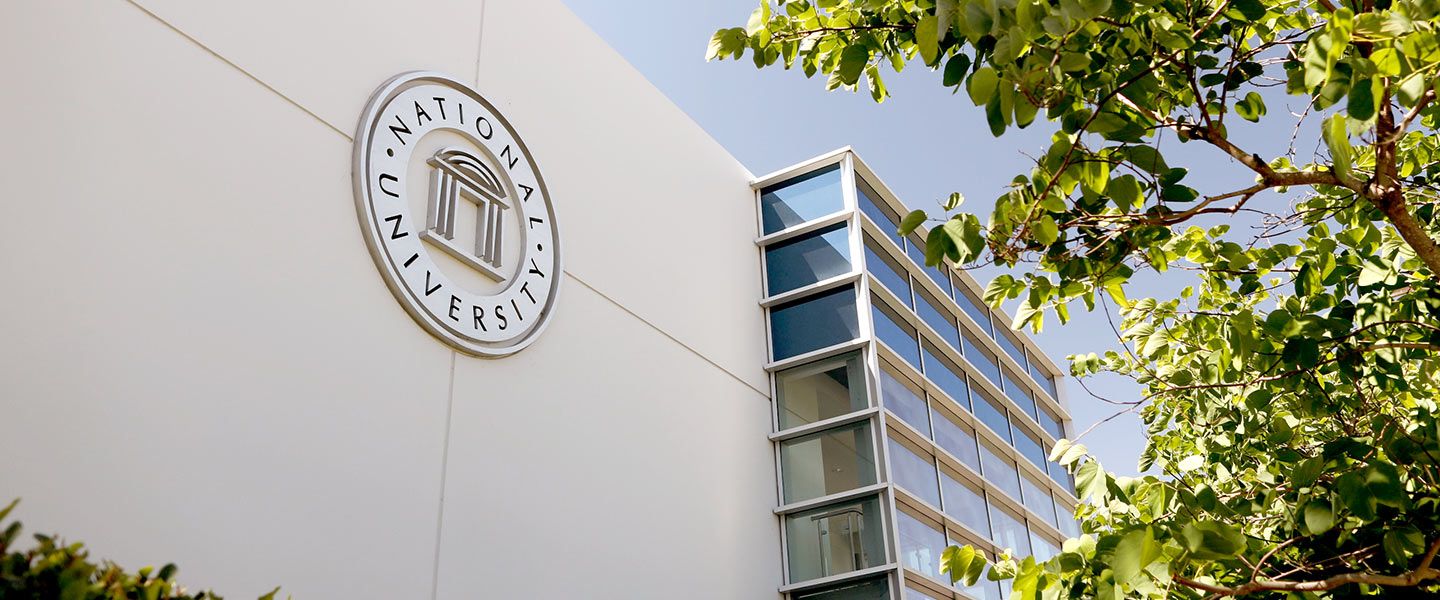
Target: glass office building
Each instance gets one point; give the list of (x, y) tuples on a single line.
[(908, 416)]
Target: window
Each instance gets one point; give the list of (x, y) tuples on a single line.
[(1018, 392), (834, 539), (913, 472), (1051, 423), (890, 276), (874, 588), (888, 221), (829, 462), (938, 274), (1029, 447), (1042, 378), (983, 359), (937, 318), (1009, 531), (896, 333), (965, 502), (1060, 476), (904, 401), (999, 471), (801, 199), (990, 413), (920, 545), (955, 438), (813, 322), (1068, 525), (1010, 344), (806, 259), (820, 391), (973, 306), (947, 377), (1038, 500), (1043, 549)]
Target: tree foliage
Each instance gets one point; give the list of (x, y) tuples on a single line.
[(1290, 392), (54, 570)]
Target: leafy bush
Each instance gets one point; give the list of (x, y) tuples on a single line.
[(53, 569)]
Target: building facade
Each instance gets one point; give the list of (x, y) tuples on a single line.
[(908, 416), (253, 323)]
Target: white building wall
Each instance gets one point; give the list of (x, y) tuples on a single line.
[(199, 362)]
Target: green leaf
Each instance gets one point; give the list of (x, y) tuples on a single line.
[(1361, 102), (1249, 10), (1401, 545), (1045, 230), (911, 222), (982, 85), (1307, 472), (1251, 108), (967, 236), (1136, 550), (1147, 159), (1090, 481), (1319, 517), (955, 69), (927, 39), (852, 62), (1125, 190), (1337, 140), (1211, 540), (963, 563)]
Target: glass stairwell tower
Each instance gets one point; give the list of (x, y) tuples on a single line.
[(907, 415)]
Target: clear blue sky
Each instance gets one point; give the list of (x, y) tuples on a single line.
[(924, 141)]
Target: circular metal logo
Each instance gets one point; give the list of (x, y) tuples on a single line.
[(456, 214)]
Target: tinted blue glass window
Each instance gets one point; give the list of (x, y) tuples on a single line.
[(947, 378), (939, 320), (1068, 526), (966, 503), (888, 222), (808, 258), (1019, 393), (801, 199), (1030, 448), (974, 307), (1058, 475), (1010, 531), (1042, 378), (1038, 500), (983, 359), (920, 545), (990, 413), (899, 336), (999, 471), (1051, 424), (1009, 343), (814, 322), (916, 251), (915, 473), (885, 272), (904, 402), (957, 439)]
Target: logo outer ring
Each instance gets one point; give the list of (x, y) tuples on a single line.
[(360, 171)]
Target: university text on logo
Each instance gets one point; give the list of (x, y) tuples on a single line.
[(456, 214)]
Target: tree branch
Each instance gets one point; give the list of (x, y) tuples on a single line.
[(1418, 575)]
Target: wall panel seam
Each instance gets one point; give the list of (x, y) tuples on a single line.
[(227, 61), (667, 334)]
